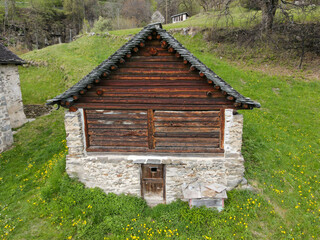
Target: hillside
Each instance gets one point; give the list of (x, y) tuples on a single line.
[(281, 148)]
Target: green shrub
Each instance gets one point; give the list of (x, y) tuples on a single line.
[(102, 25)]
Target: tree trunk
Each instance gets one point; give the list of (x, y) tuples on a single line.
[(268, 8), (6, 9)]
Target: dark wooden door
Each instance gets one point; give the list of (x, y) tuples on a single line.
[(153, 183)]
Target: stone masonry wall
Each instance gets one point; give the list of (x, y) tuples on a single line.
[(232, 144), (6, 137), (12, 90), (120, 173)]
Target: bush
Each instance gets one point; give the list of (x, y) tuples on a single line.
[(102, 25)]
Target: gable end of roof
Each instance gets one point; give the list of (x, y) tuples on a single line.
[(104, 67)]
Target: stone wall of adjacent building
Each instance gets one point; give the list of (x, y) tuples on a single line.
[(120, 173), (6, 137), (12, 90)]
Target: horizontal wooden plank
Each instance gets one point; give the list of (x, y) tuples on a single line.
[(117, 122), (159, 150), (187, 140), (152, 106), (116, 149), (132, 100), (113, 112), (186, 129), (153, 77), (187, 124), (159, 65), (171, 58), (182, 94), (154, 83), (159, 53), (187, 144), (118, 132), (154, 74), (153, 42), (174, 118), (187, 113), (118, 143), (118, 126), (147, 49), (96, 116), (119, 138), (189, 149), (153, 71), (213, 134), (152, 180), (153, 89)]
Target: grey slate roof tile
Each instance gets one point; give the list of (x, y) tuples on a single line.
[(126, 48)]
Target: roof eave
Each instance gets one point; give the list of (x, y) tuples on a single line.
[(12, 62)]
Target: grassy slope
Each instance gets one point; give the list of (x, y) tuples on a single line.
[(281, 146)]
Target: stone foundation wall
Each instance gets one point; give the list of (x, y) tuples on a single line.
[(12, 90), (6, 137), (120, 173)]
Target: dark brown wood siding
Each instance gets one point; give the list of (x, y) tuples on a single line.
[(187, 130), (160, 81), (153, 81), (116, 130)]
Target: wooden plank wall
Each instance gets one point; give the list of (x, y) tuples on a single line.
[(154, 102), (187, 131), (117, 130), (158, 82)]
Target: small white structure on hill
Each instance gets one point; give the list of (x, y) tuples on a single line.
[(179, 17), (157, 17), (11, 107)]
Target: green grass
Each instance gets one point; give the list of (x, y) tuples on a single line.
[(39, 200), (61, 66), (281, 147), (240, 17)]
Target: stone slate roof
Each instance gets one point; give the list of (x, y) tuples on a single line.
[(8, 57), (134, 42)]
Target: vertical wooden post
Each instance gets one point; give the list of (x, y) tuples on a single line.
[(151, 141), (86, 128)]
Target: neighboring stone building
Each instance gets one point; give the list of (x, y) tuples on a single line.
[(6, 137), (154, 121), (11, 86), (157, 17), (179, 17)]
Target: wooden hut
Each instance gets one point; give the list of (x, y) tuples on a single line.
[(154, 121), (179, 17)]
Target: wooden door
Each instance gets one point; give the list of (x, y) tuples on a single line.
[(153, 183)]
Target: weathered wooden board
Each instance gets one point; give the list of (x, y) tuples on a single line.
[(120, 128), (153, 183), (154, 102), (190, 124), (151, 106)]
